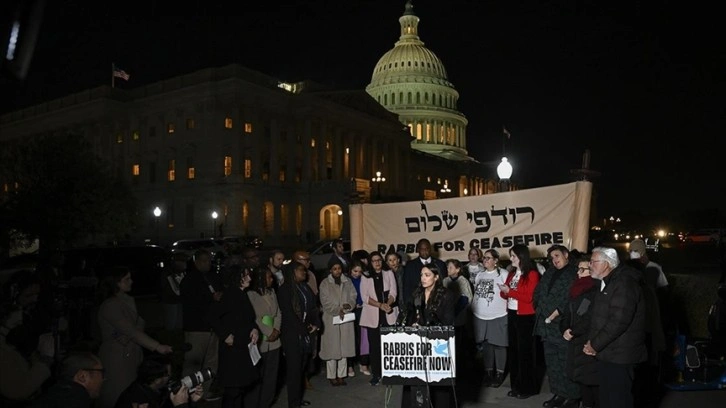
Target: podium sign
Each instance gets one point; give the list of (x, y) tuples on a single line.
[(418, 355)]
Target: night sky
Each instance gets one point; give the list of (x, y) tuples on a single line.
[(639, 83)]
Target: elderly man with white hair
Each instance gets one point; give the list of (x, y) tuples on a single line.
[(617, 329)]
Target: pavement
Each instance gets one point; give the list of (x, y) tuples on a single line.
[(359, 393)]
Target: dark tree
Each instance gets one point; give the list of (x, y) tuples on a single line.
[(55, 188)]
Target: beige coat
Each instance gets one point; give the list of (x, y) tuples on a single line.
[(266, 306), (337, 341), (123, 336)]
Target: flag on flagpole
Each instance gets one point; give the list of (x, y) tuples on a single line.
[(120, 73), (506, 132)]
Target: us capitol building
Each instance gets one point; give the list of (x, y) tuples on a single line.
[(277, 159)]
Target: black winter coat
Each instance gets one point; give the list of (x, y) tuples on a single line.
[(576, 316), (234, 315), (617, 331)]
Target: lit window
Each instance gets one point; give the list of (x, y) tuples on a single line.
[(268, 217), (245, 215), (136, 170), (190, 124), (347, 150), (119, 138), (282, 174), (227, 165), (170, 128), (248, 127), (312, 142), (248, 168), (284, 215), (228, 123), (298, 219), (135, 135), (171, 175), (190, 173), (327, 145)]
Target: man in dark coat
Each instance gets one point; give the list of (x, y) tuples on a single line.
[(617, 328), (550, 300), (200, 288), (412, 270)]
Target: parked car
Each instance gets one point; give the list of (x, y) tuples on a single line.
[(84, 266), (322, 250), (190, 246), (709, 236), (249, 241)]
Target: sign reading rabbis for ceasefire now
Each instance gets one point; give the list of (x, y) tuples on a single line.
[(418, 355)]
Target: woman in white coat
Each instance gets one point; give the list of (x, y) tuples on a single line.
[(337, 343)]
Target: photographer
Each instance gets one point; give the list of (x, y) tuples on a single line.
[(152, 387), (26, 356)]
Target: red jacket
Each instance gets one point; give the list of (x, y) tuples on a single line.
[(524, 292)]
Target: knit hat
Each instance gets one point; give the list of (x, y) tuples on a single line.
[(638, 245)]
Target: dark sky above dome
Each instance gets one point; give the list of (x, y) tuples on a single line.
[(639, 83)]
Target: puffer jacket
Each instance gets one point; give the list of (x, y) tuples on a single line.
[(617, 328)]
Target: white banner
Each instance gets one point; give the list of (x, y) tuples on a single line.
[(538, 218), (416, 354)]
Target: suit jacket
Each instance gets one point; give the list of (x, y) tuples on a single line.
[(369, 314)]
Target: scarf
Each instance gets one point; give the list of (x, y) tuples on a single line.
[(581, 286)]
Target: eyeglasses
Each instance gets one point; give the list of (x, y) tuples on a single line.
[(488, 258), (582, 269), (595, 261)]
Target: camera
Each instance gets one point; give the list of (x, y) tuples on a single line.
[(190, 381)]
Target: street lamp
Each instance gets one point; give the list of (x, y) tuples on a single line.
[(157, 214), (378, 179), (504, 171), (214, 223), (445, 189)]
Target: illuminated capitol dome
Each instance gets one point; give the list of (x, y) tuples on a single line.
[(410, 81)]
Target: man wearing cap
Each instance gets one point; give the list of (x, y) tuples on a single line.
[(654, 275)]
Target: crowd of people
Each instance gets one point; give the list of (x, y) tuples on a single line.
[(587, 319)]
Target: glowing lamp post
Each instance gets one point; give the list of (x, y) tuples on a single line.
[(378, 179), (504, 171), (157, 214), (214, 223)]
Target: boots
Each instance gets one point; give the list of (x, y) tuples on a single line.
[(488, 378), (497, 380)]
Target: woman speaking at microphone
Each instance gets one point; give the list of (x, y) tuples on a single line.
[(431, 305)]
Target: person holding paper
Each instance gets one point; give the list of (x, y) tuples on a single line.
[(337, 298), (233, 320), (269, 320)]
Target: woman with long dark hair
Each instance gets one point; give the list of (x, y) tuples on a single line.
[(233, 320), (122, 335), (519, 292), (300, 319), (431, 304), (379, 293)]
